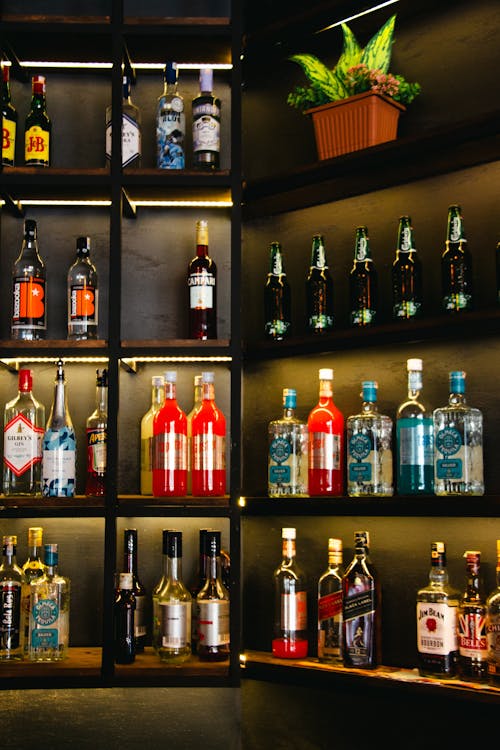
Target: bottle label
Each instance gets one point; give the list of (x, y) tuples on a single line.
[(140, 616), (10, 615), (8, 140), (58, 463), (472, 640), (22, 442), (450, 444), (201, 290), (330, 626), (28, 303), (415, 442), (209, 452), (363, 317), (36, 146), (131, 140), (493, 636), (324, 451), (175, 624), (294, 611), (206, 128), (330, 606), (277, 327), (170, 451), (96, 450), (45, 612), (170, 129), (361, 250), (213, 622), (359, 619), (83, 304), (436, 628)]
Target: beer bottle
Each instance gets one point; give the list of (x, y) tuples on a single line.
[(319, 290), (277, 297), (456, 265), (362, 282), (406, 275)]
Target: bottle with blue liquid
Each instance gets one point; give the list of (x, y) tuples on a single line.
[(59, 445)]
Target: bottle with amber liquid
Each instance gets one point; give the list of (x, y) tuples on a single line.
[(37, 128), (456, 265), (277, 297), (9, 121), (213, 607), (406, 275), (290, 603), (319, 290), (472, 640), (97, 439), (362, 282), (29, 312), (202, 288)]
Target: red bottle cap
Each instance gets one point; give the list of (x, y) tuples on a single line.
[(25, 380)]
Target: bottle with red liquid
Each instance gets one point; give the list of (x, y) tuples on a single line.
[(325, 427), (97, 438), (290, 609), (208, 444), (202, 288), (170, 444)]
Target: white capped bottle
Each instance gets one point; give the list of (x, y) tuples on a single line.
[(206, 124), (59, 445)]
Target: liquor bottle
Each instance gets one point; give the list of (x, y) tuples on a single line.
[(213, 607), (206, 124), (208, 447), (97, 438), (202, 286), (24, 425), (414, 439), (131, 129), (497, 271), (290, 603), (59, 445), (124, 619), (458, 444), (170, 123), (361, 608), (330, 606), (196, 404), (277, 297), (32, 568), (472, 640), (9, 121), (155, 630), (362, 282), (12, 582), (319, 290), (406, 275), (29, 293), (369, 448), (437, 620), (173, 603), (197, 587), (157, 398), (82, 294), (456, 265), (49, 611), (170, 444), (141, 599), (325, 428), (288, 451), (493, 626), (38, 128)]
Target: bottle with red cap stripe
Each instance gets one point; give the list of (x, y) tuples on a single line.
[(37, 128)]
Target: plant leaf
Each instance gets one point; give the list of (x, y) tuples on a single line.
[(351, 55), (318, 73), (377, 53)]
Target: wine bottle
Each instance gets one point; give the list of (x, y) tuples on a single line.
[(131, 129), (29, 313), (174, 607), (59, 445), (130, 565), (406, 275), (325, 427), (157, 398), (208, 448), (362, 282), (9, 121), (202, 288), (12, 581), (456, 265), (38, 128), (290, 603), (197, 586), (206, 110), (213, 607), (97, 438), (82, 294), (319, 290), (277, 297), (49, 611), (124, 620), (170, 444), (170, 123)]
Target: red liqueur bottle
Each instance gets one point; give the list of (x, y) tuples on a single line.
[(170, 444), (325, 427), (202, 288), (208, 444), (290, 604)]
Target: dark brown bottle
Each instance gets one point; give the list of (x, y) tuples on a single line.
[(277, 297), (213, 607), (202, 288), (141, 600), (362, 282), (472, 638), (124, 611), (406, 275), (456, 265), (206, 110), (319, 290)]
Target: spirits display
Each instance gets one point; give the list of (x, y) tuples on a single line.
[(458, 444), (472, 640), (325, 428), (290, 603), (38, 128), (319, 290), (330, 606), (202, 288), (414, 438), (141, 600), (24, 426), (362, 282), (170, 444), (9, 121), (59, 445), (277, 297), (213, 607), (437, 620), (493, 625), (49, 611), (206, 109), (456, 265), (208, 445), (124, 617), (170, 123), (173, 607), (369, 448), (406, 275), (157, 398), (83, 302), (32, 568), (288, 451), (12, 581), (189, 417), (131, 129), (29, 313), (97, 439)]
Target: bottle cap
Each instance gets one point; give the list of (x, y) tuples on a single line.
[(326, 373), (457, 381), (335, 545), (25, 380), (51, 554), (126, 581), (207, 377), (288, 533), (83, 243), (38, 84), (206, 79), (10, 540), (30, 228), (197, 380), (414, 364), (439, 547), (35, 534), (174, 543), (362, 537), (102, 377), (5, 73), (289, 398), (369, 390), (170, 376), (157, 380), (164, 546), (170, 72)]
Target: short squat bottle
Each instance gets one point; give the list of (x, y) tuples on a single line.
[(290, 603), (362, 282), (319, 290), (472, 640), (277, 297), (49, 611), (288, 451), (82, 294), (330, 606), (213, 607), (406, 275), (29, 289), (456, 266), (124, 614)]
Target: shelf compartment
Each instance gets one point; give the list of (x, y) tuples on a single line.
[(55, 507), (147, 668), (56, 184), (82, 661), (141, 505)]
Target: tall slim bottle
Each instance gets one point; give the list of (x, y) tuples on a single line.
[(206, 109), (157, 398), (493, 625), (472, 640), (49, 611), (131, 129), (83, 294), (170, 123), (213, 607), (174, 607), (202, 288), (362, 282), (456, 265), (29, 312), (155, 630), (38, 128), (325, 428), (277, 297), (319, 290), (290, 603), (130, 565), (208, 448), (198, 585), (288, 451), (124, 620), (170, 444), (12, 582), (97, 438), (32, 568), (414, 439), (59, 445), (330, 606), (9, 121), (406, 275), (24, 426), (197, 398)]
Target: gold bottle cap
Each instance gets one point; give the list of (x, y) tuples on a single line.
[(335, 545), (11, 539), (35, 535)]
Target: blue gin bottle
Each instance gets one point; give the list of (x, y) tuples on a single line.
[(59, 445)]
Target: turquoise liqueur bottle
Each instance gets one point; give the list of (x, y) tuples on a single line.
[(414, 439)]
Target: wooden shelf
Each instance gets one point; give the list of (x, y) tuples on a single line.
[(52, 507), (148, 665), (140, 505), (80, 662)]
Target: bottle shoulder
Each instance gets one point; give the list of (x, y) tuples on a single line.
[(413, 408), (173, 590)]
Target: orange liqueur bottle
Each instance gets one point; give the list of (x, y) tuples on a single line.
[(325, 427)]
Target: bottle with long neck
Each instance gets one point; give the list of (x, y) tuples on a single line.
[(288, 451), (208, 448), (29, 312), (472, 640), (290, 603), (493, 625), (170, 444), (155, 637), (330, 606), (9, 121), (170, 123), (325, 428), (197, 586), (456, 265), (206, 110), (131, 129), (32, 568), (174, 607), (277, 297), (406, 275), (49, 636), (83, 294), (38, 128), (124, 620), (362, 282), (59, 445), (319, 290), (213, 607), (202, 287), (97, 438), (24, 426), (414, 439), (12, 582), (197, 399), (147, 422), (141, 602)]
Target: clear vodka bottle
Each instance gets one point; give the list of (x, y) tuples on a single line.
[(288, 446)]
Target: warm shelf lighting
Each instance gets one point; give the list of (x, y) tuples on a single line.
[(358, 15), (139, 204), (12, 363), (69, 65), (243, 661), (183, 204), (131, 361), (242, 501)]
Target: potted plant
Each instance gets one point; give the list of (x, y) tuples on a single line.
[(357, 103)]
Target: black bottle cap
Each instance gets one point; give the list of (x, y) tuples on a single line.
[(30, 227), (174, 543), (102, 377), (170, 72), (213, 543), (83, 244)]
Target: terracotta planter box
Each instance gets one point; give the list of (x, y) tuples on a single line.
[(351, 124)]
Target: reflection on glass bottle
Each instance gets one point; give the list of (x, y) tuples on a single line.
[(456, 265), (83, 299), (319, 290), (406, 275)]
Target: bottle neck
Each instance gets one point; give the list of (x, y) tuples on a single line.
[(212, 568), (276, 264), (34, 552), (369, 406), (288, 412), (334, 559), (405, 238), (59, 409), (455, 229), (157, 395), (9, 555), (101, 398), (208, 392), (170, 391), (38, 101), (414, 384), (169, 89), (318, 256), (438, 572), (457, 399), (498, 572), (325, 390), (288, 551), (29, 249), (130, 560), (362, 248), (174, 568)]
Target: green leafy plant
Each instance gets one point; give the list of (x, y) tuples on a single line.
[(357, 70)]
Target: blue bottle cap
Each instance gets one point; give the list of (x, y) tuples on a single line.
[(289, 398), (369, 390), (457, 381), (51, 554)]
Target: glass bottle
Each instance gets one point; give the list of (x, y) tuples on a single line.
[(196, 404), (497, 271), (437, 620), (170, 444), (362, 282), (97, 438), (9, 121), (124, 617), (472, 640), (290, 603), (208, 448), (319, 290), (414, 439), (38, 128), (83, 294), (29, 292), (330, 606), (59, 445), (198, 585), (361, 608), (32, 568), (206, 109), (369, 448), (288, 451), (406, 275), (157, 398), (12, 583), (202, 286), (213, 607), (174, 607), (131, 129), (493, 626), (456, 265), (155, 639), (325, 428), (49, 611), (141, 600), (277, 297), (458, 444), (24, 426), (170, 123)]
